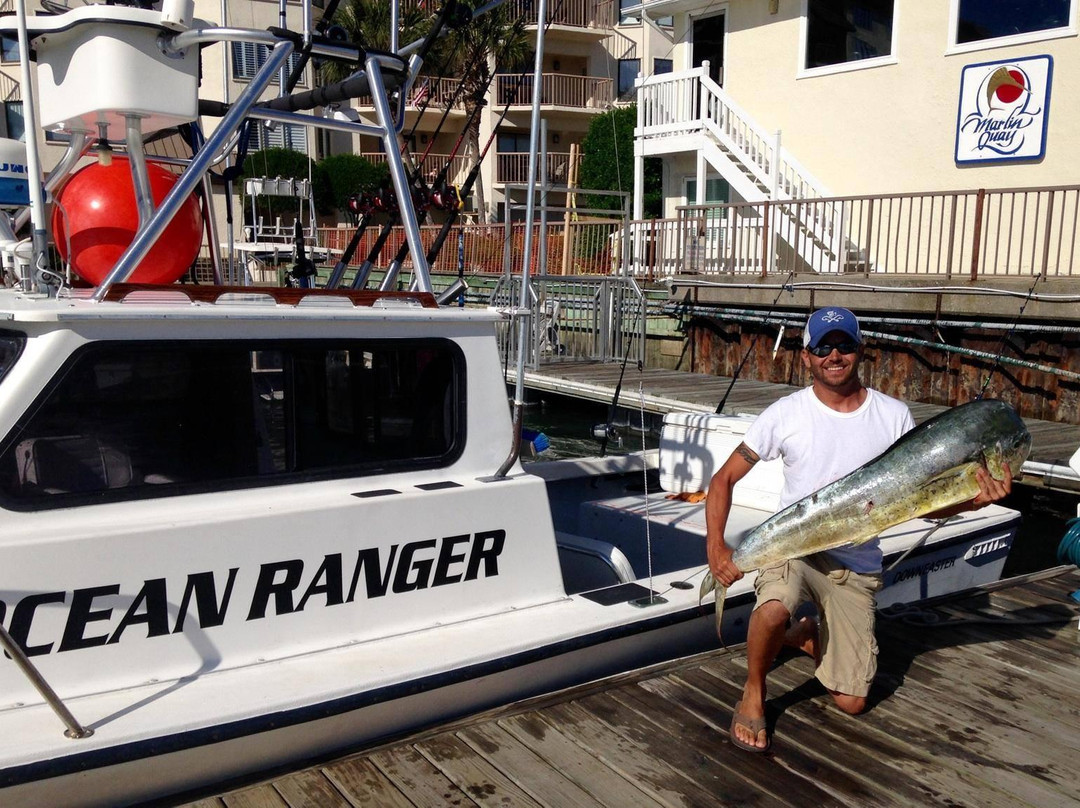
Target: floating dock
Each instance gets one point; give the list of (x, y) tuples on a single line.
[(661, 391), (974, 705)]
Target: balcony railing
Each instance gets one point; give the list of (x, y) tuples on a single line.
[(557, 90), (514, 167), (962, 235), (431, 166), (592, 14), (440, 90)]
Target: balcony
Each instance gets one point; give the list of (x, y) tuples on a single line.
[(513, 167), (584, 93), (586, 18)]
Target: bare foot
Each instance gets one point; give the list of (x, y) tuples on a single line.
[(804, 636)]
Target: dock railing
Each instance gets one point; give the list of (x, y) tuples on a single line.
[(598, 318), (972, 234)]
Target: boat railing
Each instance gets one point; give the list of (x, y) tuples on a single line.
[(600, 318)]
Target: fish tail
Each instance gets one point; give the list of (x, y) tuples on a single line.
[(710, 584), (721, 594)]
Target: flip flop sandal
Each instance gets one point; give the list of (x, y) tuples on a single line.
[(755, 725)]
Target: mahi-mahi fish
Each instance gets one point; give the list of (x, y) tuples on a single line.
[(930, 468)]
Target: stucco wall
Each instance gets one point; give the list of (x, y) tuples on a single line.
[(889, 128)]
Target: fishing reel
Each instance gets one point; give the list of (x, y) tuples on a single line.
[(384, 200), (359, 205), (447, 197)]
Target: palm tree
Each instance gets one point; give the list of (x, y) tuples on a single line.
[(493, 43), (488, 44)]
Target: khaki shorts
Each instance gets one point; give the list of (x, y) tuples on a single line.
[(845, 602)]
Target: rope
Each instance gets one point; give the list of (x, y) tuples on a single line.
[(1068, 551)]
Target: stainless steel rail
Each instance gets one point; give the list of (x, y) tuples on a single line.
[(74, 730)]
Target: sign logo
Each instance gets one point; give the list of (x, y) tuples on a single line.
[(1003, 110)]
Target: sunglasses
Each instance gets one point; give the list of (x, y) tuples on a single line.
[(824, 349)]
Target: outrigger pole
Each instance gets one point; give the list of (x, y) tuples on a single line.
[(39, 238), (530, 213)]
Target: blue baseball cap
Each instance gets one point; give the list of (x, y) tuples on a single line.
[(823, 321)]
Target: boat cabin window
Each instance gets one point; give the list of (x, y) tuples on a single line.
[(10, 347), (130, 420)]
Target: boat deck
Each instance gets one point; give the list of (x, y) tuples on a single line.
[(975, 705), (665, 390)]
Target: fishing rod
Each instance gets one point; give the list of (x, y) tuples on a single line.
[(442, 196), (1005, 338), (615, 399), (452, 205), (783, 287), (415, 180)]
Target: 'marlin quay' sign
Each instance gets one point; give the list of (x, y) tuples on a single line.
[(1003, 110)]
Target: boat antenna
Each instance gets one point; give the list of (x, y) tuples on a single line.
[(784, 287), (38, 238), (526, 259)]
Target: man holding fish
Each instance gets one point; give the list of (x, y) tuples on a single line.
[(824, 433)]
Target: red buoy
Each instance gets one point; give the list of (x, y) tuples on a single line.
[(95, 219)]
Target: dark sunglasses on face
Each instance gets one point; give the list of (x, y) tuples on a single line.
[(824, 349)]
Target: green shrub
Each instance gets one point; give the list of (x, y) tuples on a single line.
[(607, 162)]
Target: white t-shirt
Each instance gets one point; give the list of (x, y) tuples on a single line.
[(820, 445)]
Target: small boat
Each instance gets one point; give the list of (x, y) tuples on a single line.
[(245, 526)]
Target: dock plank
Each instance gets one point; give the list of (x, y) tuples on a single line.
[(526, 769), (476, 776), (668, 786), (309, 789), (364, 785), (971, 711), (262, 796), (414, 775), (887, 771), (562, 754), (683, 711)]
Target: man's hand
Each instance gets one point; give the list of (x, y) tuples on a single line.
[(722, 567), (991, 490)]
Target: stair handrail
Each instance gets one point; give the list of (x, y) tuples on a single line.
[(811, 186)]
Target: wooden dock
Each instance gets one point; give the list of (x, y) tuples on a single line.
[(666, 390), (975, 705)]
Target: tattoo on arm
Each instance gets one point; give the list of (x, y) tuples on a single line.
[(747, 454)]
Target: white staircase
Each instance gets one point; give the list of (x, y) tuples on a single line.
[(689, 112)]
